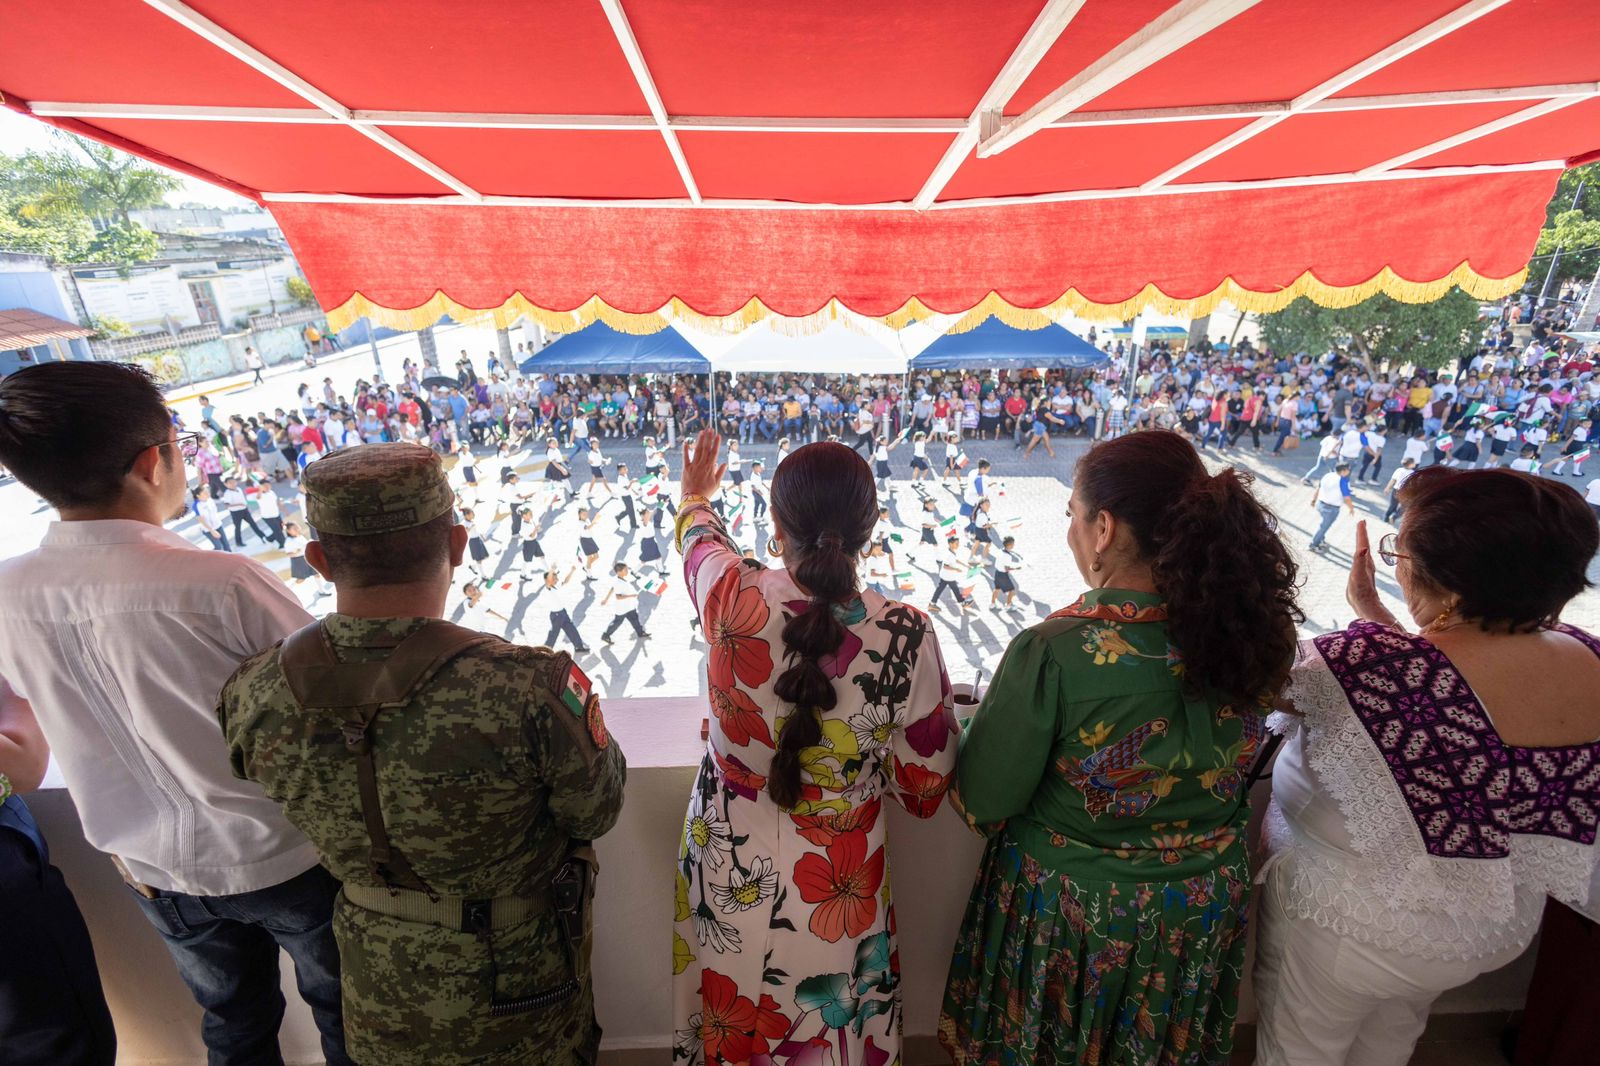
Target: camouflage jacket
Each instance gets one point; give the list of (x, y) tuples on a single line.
[(483, 780)]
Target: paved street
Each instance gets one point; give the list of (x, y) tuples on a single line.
[(1034, 490)]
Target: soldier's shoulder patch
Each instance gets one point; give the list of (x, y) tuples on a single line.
[(597, 724), (575, 691)]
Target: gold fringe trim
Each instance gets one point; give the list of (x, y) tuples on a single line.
[(994, 305)]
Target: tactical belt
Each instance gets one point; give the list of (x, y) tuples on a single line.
[(450, 912)]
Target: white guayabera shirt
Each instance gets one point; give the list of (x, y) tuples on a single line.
[(121, 635)]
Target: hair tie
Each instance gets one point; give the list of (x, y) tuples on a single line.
[(830, 540)]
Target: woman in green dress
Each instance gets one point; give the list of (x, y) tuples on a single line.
[(1106, 765)]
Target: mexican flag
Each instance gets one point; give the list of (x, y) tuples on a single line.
[(1011, 525), (898, 538), (655, 585), (1445, 443), (650, 484), (962, 460), (1478, 410), (1579, 458), (903, 434), (973, 572), (948, 524), (905, 581), (1496, 417), (575, 691)]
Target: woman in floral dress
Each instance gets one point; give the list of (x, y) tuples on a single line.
[(824, 700), (1106, 764)]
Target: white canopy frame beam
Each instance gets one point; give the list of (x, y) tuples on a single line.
[(1177, 26), (902, 205), (196, 23), (647, 86), (1575, 91), (1483, 129), (1047, 26), (1441, 27)]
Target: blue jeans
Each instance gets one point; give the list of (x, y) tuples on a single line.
[(226, 950), (1330, 512)]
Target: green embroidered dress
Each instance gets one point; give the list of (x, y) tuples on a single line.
[(1107, 922)]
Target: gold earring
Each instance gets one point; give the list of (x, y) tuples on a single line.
[(774, 547), (1095, 566)]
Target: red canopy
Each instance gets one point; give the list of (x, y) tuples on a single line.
[(578, 159)]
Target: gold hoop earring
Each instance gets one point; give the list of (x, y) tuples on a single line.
[(774, 547)]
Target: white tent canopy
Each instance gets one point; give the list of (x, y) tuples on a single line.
[(838, 349)]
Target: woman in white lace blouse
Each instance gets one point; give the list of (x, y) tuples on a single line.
[(1437, 786)]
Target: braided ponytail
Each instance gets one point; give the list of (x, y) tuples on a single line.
[(824, 499)]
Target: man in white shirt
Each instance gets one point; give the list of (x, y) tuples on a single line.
[(121, 634)]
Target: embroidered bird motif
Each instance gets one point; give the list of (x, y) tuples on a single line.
[(1117, 778)]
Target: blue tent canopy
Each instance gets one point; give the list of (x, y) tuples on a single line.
[(1002, 347), (599, 349)]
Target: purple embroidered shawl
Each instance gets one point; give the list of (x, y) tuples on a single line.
[(1467, 790)]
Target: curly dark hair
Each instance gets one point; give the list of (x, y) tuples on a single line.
[(1515, 547), (1214, 553), (824, 498)]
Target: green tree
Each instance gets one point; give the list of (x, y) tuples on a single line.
[(1572, 223), (84, 176), (124, 245), (63, 238), (1378, 331), (300, 291)]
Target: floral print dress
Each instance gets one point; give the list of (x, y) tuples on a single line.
[(784, 934), (1107, 924)]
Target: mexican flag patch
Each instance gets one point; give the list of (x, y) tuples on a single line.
[(575, 691)]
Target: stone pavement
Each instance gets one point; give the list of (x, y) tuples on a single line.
[(1034, 490)]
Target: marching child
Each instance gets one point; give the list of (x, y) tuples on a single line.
[(1006, 566), (919, 458), (475, 546), (758, 489), (952, 572)]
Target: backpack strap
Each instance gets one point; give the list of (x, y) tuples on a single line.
[(317, 679)]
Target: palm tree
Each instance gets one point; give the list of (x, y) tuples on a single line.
[(87, 177)]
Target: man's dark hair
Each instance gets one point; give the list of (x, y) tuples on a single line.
[(71, 431), (403, 557)]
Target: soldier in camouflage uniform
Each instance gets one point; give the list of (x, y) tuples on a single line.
[(450, 779)]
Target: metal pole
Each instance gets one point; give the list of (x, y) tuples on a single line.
[(1555, 258), (372, 342)]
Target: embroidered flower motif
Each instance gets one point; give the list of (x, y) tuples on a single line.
[(740, 718), (920, 788), (708, 836), (715, 933), (1107, 644), (726, 1019), (874, 726), (740, 779), (733, 616), (748, 888), (822, 829), (843, 886)]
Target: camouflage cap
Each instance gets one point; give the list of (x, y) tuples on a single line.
[(375, 488)]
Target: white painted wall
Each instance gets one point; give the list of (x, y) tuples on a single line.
[(933, 864)]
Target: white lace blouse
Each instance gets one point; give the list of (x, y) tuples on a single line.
[(1399, 817)]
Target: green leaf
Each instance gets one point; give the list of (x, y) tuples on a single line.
[(871, 1008), (829, 993), (872, 961)]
